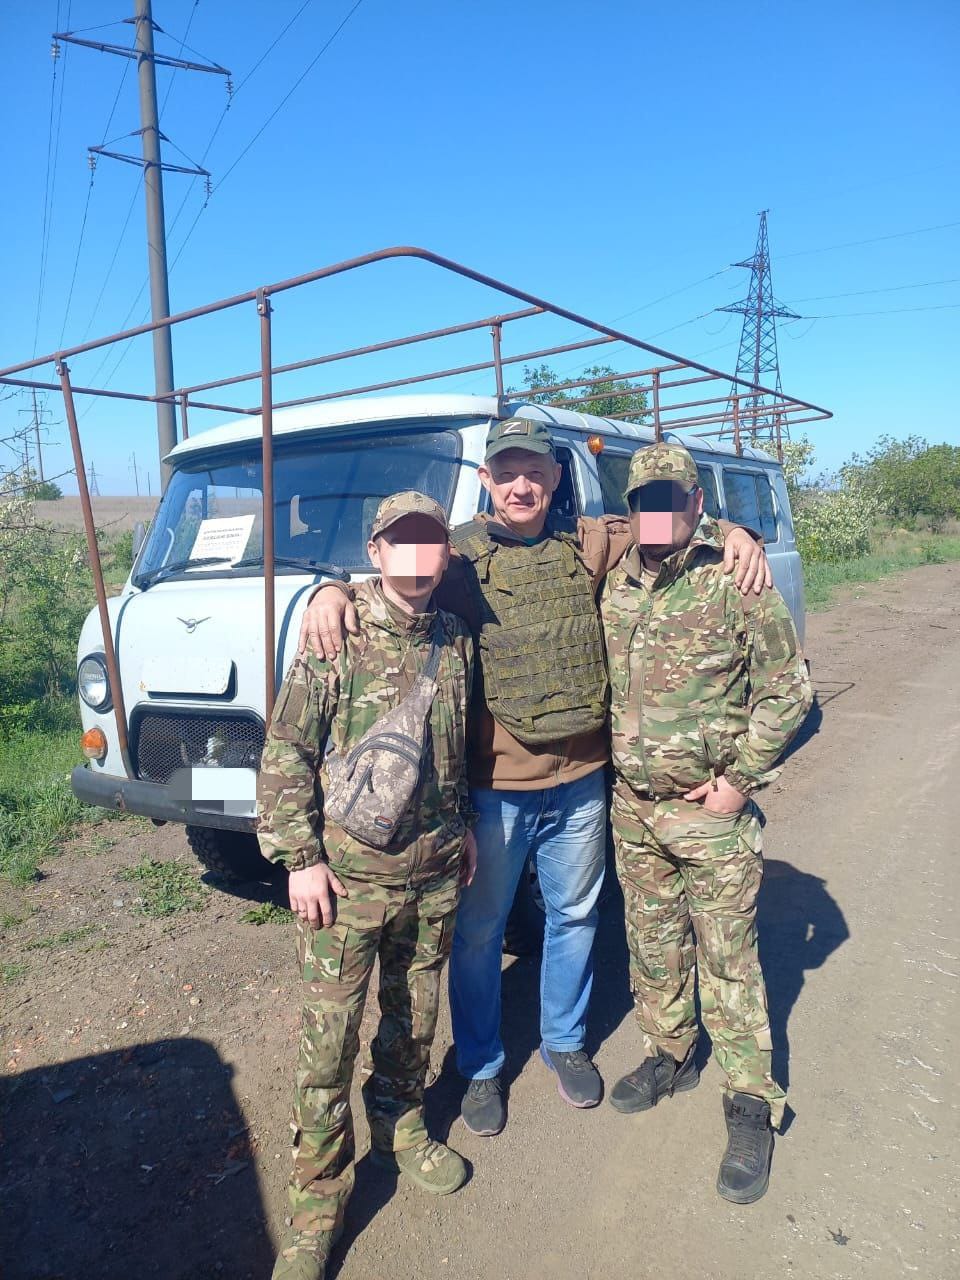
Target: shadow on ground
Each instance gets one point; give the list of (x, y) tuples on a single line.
[(133, 1162), (800, 925)]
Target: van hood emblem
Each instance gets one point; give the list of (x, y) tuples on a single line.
[(192, 623)]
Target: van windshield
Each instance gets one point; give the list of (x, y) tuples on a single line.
[(326, 493)]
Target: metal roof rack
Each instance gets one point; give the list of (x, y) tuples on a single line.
[(738, 407)]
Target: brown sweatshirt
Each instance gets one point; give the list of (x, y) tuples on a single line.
[(495, 758)]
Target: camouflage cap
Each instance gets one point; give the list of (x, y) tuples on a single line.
[(407, 503), (518, 433), (661, 462)]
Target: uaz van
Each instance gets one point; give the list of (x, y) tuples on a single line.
[(188, 623)]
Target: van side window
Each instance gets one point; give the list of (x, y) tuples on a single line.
[(750, 502), (564, 506), (612, 471), (708, 483)]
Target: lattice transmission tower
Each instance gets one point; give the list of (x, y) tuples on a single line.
[(758, 360)]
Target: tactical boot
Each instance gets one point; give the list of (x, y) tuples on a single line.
[(304, 1255), (484, 1109), (431, 1165), (578, 1080), (655, 1078), (745, 1167)]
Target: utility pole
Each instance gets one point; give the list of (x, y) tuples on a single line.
[(92, 486), (36, 436), (136, 477), (153, 166), (156, 232)]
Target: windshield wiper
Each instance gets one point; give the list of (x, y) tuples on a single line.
[(144, 580), (297, 562)]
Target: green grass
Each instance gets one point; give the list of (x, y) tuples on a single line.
[(57, 940), (166, 888), (37, 808), (11, 972), (894, 553), (267, 913)]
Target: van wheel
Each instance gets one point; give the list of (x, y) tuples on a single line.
[(523, 935), (230, 855)]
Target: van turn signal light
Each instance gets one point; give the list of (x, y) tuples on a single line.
[(93, 744), (595, 444)]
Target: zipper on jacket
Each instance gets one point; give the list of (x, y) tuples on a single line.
[(643, 674)]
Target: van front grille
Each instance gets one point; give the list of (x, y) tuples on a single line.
[(164, 741)]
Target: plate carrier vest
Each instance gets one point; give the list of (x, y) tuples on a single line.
[(541, 648)]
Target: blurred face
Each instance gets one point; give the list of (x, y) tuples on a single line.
[(411, 556), (663, 516), (521, 485)]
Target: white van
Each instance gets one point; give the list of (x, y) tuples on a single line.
[(189, 627)]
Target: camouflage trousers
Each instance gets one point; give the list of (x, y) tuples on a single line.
[(411, 931), (690, 881)]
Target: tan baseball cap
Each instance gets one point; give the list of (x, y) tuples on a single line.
[(407, 503), (662, 462)]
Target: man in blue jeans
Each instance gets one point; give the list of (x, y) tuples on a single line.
[(538, 746)]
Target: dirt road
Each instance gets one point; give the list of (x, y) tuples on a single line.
[(148, 1062)]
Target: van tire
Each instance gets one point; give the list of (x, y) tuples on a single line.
[(523, 935), (229, 855)]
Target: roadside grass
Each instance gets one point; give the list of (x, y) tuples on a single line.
[(166, 888), (267, 913), (67, 938), (37, 807), (895, 551)]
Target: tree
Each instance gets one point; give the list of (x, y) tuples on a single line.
[(606, 395), (909, 478)]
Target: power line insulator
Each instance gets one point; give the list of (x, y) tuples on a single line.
[(229, 89), (55, 50), (208, 186), (91, 161)]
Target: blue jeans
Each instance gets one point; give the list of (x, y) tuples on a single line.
[(564, 829)]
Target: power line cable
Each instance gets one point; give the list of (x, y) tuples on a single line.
[(240, 157), (894, 311), (287, 96), (853, 244), (893, 288), (55, 54)]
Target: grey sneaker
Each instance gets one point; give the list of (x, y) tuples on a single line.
[(484, 1108), (578, 1080)]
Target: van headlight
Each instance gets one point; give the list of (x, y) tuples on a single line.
[(93, 682)]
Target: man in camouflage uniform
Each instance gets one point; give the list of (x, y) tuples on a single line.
[(538, 750), (355, 902), (708, 689)]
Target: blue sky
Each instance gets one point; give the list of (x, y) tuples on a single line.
[(602, 156)]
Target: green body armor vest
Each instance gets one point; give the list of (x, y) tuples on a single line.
[(541, 648)]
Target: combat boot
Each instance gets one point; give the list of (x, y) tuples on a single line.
[(745, 1167), (655, 1078), (431, 1165), (305, 1254)]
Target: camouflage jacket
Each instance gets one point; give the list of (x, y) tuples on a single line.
[(704, 681), (325, 706)]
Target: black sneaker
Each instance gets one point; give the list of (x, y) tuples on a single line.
[(745, 1168), (578, 1080), (655, 1078), (484, 1108)]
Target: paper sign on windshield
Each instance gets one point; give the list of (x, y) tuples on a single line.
[(226, 537)]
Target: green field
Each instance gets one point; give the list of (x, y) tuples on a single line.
[(894, 552)]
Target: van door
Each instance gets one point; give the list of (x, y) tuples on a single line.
[(750, 499)]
